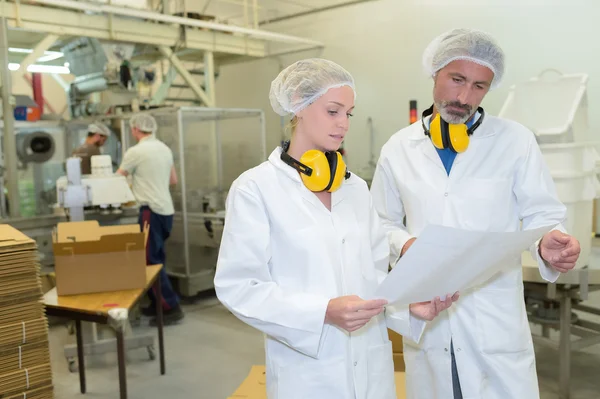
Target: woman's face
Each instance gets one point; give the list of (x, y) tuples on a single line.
[(325, 122)]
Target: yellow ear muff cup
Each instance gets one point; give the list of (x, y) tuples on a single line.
[(339, 172), (321, 175), (459, 138), (435, 131)]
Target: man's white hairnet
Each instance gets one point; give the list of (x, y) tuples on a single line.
[(302, 83), (144, 122), (99, 128), (465, 44)]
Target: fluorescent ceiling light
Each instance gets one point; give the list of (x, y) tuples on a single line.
[(41, 68), (48, 55)]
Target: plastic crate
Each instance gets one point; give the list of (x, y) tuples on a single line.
[(571, 157), (553, 105), (575, 187)]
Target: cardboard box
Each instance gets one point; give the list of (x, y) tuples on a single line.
[(399, 362), (254, 386), (397, 346), (89, 258)]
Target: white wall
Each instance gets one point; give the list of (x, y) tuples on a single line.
[(381, 44)]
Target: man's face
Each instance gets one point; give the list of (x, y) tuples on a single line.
[(459, 88), (101, 140)]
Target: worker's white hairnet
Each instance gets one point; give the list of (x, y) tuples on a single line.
[(99, 128), (465, 44), (144, 122), (302, 83)]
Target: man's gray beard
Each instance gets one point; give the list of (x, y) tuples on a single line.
[(453, 119)]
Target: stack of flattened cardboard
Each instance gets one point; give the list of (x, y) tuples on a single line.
[(398, 349), (24, 354)]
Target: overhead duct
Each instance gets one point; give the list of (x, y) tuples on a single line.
[(102, 69)]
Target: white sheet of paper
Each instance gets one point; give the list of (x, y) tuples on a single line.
[(444, 260)]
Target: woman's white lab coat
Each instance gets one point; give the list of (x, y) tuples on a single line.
[(500, 179), (283, 256)]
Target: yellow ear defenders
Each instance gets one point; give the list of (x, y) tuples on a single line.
[(319, 171), (445, 135)]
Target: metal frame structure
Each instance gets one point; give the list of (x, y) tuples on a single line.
[(196, 282), (190, 283), (43, 24), (569, 290)]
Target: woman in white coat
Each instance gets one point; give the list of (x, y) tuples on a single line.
[(301, 254)]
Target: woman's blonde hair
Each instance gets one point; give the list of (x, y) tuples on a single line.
[(291, 126)]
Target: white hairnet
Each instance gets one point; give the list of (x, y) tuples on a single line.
[(300, 84), (99, 128), (144, 122), (465, 44)]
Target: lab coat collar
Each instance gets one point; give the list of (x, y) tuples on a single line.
[(291, 173)]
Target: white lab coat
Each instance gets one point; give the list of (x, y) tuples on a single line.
[(283, 256), (500, 179)]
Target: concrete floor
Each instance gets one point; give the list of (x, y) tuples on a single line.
[(211, 352)]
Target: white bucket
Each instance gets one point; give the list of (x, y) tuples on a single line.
[(101, 165), (579, 224), (576, 187), (571, 157)]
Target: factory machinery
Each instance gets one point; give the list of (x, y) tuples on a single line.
[(209, 153)]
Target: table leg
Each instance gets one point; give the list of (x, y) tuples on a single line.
[(159, 324), (121, 357), (80, 356), (565, 347)]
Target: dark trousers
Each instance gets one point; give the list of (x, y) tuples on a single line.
[(455, 379), (160, 230)]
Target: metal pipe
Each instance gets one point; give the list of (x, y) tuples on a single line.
[(313, 11), (590, 325), (171, 19), (186, 240), (38, 93), (209, 77), (587, 309), (255, 15), (8, 130), (565, 348)]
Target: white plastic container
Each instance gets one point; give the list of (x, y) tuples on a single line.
[(101, 165), (579, 225), (571, 157), (554, 106), (577, 186)]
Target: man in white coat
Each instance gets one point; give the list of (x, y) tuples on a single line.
[(461, 168)]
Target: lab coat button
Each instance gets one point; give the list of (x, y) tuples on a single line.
[(343, 240), (445, 194), (446, 349), (355, 363)]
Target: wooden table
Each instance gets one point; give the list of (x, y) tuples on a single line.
[(94, 308)]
